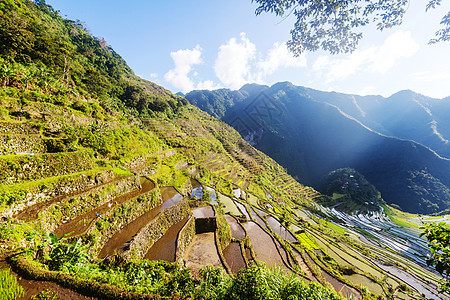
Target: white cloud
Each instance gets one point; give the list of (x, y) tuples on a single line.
[(232, 65), (184, 61), (399, 45), (280, 57), (237, 62), (377, 59)]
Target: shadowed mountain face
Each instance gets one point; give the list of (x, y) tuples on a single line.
[(312, 133)]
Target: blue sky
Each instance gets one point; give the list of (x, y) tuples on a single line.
[(185, 45)]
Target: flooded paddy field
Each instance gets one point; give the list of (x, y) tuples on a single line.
[(229, 206), (165, 247), (203, 252), (263, 245), (234, 257), (237, 232)]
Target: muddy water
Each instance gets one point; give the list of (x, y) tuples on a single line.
[(166, 247), (242, 209), (280, 230), (237, 231), (126, 233), (31, 213), (420, 286), (233, 256), (121, 237), (34, 287), (263, 245), (203, 212), (81, 223), (203, 252)]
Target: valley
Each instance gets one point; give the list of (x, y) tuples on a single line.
[(112, 187)]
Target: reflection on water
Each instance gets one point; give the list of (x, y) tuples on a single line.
[(203, 212), (233, 256), (165, 248), (212, 195), (237, 231)]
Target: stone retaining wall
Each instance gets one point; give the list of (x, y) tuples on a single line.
[(154, 230), (184, 239), (116, 219), (64, 185), (33, 167), (71, 207)]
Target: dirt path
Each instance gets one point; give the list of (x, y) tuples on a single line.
[(203, 252)]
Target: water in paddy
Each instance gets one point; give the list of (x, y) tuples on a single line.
[(281, 230), (126, 233), (237, 231), (258, 218), (165, 248), (212, 195), (263, 245), (203, 212), (81, 223), (237, 192), (203, 252), (170, 196), (233, 256), (242, 209), (420, 286), (197, 190), (338, 286)]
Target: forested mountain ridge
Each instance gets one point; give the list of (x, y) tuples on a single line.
[(312, 133)]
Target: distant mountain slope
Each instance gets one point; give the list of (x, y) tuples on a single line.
[(306, 132)]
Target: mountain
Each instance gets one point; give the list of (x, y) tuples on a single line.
[(312, 133), (97, 166)]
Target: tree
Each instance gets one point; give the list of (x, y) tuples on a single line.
[(438, 236), (333, 24)]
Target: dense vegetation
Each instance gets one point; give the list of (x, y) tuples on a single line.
[(86, 148), (348, 190), (78, 129)]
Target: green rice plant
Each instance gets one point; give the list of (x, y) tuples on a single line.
[(10, 289)]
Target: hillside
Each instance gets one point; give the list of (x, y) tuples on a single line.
[(306, 132), (111, 187)]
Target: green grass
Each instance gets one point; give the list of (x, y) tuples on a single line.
[(333, 226), (307, 242), (397, 217), (119, 171), (10, 289)]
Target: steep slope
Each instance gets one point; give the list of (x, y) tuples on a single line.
[(312, 138), (96, 161)]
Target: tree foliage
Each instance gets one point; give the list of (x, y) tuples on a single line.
[(334, 25), (438, 236)]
